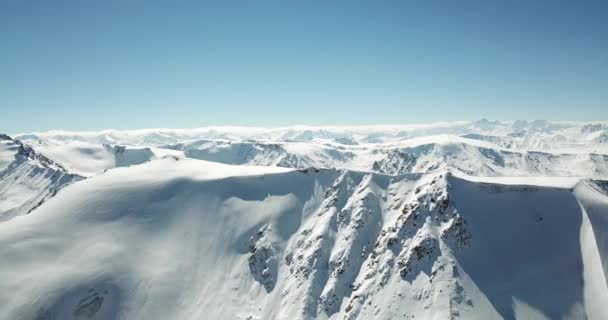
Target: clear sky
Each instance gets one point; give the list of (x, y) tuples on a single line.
[(88, 64)]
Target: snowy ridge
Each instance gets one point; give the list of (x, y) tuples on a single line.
[(487, 148), (88, 159), (27, 178), (188, 239), (409, 156)]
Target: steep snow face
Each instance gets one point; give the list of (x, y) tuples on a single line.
[(593, 197), (8, 149), (189, 239), (27, 178)]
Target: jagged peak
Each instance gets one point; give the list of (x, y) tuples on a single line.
[(25, 153)]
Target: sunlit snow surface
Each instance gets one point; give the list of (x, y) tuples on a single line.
[(481, 220)]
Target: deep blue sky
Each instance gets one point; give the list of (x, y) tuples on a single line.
[(138, 63)]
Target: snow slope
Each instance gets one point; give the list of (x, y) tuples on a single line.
[(189, 239), (27, 178), (88, 159)]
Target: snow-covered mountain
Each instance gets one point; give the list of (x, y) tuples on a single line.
[(468, 220), (27, 178), (88, 159), (489, 148), (190, 239), (415, 155)]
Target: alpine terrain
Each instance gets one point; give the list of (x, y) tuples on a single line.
[(464, 220)]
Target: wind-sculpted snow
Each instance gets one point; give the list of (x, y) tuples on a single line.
[(179, 238), (88, 159)]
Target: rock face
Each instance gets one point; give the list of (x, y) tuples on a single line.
[(394, 162), (27, 178), (95, 301), (263, 260), (593, 127), (269, 243)]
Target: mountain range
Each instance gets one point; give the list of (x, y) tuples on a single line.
[(465, 220)]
